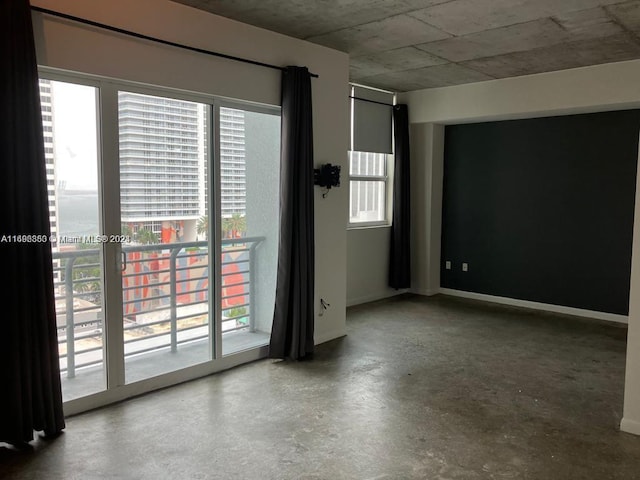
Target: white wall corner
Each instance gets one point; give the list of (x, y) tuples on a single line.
[(425, 291), (436, 188), (328, 336), (631, 415), (630, 426), (427, 147), (352, 302)]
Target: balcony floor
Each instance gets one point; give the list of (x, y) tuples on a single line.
[(138, 367)]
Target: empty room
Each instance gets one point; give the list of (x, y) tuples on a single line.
[(324, 240)]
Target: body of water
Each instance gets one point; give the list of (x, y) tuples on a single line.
[(78, 213)]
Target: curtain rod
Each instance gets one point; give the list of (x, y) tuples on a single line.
[(371, 101), (158, 40)]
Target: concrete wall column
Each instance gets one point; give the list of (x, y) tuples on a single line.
[(427, 163)]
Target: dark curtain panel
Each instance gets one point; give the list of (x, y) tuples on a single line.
[(292, 332), (31, 397), (399, 258)]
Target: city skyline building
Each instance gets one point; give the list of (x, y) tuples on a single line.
[(162, 155), (47, 128), (233, 179), (163, 167)]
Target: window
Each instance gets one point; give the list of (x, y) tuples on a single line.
[(368, 188), (370, 158)]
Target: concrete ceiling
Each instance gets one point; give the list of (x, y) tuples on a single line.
[(412, 44)]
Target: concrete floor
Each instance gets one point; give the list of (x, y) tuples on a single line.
[(433, 388)]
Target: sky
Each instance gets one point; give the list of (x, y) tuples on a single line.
[(75, 135)]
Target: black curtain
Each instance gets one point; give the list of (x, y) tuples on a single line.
[(399, 257), (292, 331), (30, 397)]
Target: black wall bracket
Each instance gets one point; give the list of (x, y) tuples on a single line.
[(327, 176)]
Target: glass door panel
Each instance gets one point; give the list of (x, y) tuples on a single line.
[(69, 115), (164, 216), (249, 224)]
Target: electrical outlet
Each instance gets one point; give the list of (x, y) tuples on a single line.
[(465, 267), (323, 306), (447, 265)]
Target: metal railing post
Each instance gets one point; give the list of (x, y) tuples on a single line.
[(71, 343), (173, 289), (252, 287)]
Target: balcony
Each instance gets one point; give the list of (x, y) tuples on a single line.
[(166, 304)]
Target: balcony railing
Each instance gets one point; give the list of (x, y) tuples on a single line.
[(165, 289)]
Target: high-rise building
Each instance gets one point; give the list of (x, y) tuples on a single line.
[(163, 171), (232, 163), (47, 126), (161, 157)]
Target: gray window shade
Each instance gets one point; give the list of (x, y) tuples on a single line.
[(372, 121)]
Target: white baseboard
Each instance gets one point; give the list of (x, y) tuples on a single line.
[(547, 307), (328, 336), (351, 302), (630, 426)]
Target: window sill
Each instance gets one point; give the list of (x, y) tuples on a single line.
[(366, 226)]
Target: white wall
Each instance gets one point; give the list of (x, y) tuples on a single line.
[(70, 46), (590, 89), (631, 420), (368, 265)]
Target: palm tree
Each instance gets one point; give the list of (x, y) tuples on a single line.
[(126, 230), (202, 227), (146, 237), (234, 226)]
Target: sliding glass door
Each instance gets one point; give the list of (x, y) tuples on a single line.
[(71, 129), (164, 206)]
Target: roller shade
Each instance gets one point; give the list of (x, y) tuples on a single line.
[(372, 121)]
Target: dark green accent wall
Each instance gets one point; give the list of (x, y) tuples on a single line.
[(542, 209)]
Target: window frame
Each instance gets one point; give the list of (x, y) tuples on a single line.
[(387, 180)]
